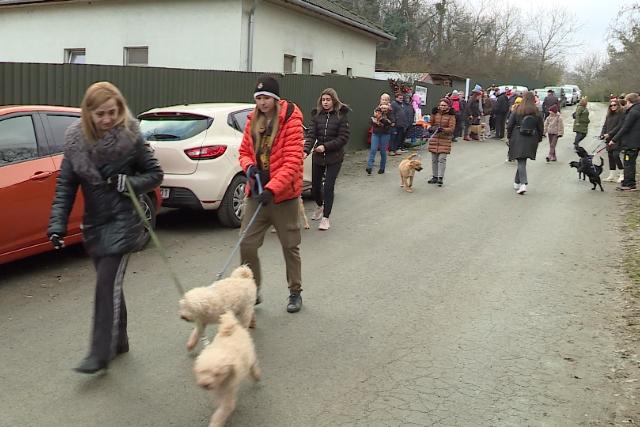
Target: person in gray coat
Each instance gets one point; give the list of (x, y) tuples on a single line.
[(104, 150), (524, 131)]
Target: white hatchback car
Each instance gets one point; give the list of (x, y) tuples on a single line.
[(197, 147)]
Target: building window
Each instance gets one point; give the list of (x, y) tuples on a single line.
[(334, 71), (75, 56), (136, 56), (307, 66), (289, 64), (349, 72)]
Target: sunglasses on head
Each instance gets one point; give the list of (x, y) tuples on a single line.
[(613, 105)]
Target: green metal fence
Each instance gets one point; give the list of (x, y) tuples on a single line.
[(146, 87)]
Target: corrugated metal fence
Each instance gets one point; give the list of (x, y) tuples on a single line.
[(146, 87)]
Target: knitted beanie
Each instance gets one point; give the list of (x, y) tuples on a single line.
[(268, 86)]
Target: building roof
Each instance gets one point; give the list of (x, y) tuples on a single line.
[(336, 11), (327, 8)]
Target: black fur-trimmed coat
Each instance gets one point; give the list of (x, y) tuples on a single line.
[(110, 225)]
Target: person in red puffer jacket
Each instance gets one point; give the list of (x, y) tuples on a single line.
[(272, 150)]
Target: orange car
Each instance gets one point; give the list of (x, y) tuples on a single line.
[(31, 145)]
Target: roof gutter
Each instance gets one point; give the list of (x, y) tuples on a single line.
[(381, 34)]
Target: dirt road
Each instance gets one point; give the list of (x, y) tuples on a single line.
[(465, 305)]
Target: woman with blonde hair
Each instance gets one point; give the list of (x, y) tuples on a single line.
[(327, 135), (103, 151), (524, 131)]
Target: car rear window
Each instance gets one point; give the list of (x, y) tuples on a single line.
[(59, 124), (172, 126)]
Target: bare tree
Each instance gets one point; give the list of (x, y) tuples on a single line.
[(552, 36)]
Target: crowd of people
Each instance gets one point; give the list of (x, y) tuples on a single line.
[(105, 156)]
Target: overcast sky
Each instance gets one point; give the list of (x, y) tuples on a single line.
[(593, 15)]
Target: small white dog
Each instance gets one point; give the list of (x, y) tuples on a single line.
[(224, 364), (204, 305)]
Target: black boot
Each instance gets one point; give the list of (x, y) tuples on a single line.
[(433, 180), (380, 171), (368, 171), (90, 365), (295, 303), (440, 182)]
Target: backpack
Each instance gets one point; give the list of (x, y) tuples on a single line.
[(529, 125)]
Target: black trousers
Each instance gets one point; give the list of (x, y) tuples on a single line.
[(614, 160), (501, 121), (110, 311), (328, 173), (630, 156)]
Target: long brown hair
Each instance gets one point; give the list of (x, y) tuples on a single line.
[(337, 104), (259, 122), (528, 106), (96, 95)]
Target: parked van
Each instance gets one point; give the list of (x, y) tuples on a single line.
[(571, 95), (576, 90)]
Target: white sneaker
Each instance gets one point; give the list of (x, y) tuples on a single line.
[(317, 214), (611, 177), (621, 177), (324, 224), (516, 186), (522, 189)]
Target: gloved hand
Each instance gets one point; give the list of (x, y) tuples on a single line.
[(252, 171), (118, 182), (266, 197), (56, 240), (440, 130)]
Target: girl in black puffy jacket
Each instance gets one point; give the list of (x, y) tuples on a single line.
[(326, 138), (104, 150)]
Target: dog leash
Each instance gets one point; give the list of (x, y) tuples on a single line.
[(243, 233), (420, 149), (153, 235)]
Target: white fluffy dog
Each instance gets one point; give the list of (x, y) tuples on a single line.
[(204, 305), (224, 364)]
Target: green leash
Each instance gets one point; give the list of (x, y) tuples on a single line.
[(153, 235)]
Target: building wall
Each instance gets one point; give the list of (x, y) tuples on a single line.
[(281, 31), (192, 34), (196, 34)]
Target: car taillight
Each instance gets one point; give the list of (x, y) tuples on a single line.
[(208, 152)]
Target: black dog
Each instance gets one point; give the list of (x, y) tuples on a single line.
[(586, 167)]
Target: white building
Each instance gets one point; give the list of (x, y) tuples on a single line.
[(291, 36)]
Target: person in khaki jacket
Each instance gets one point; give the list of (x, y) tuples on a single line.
[(554, 129)]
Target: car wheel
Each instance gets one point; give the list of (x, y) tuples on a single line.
[(232, 206), (149, 209)]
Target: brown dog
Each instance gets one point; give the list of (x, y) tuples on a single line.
[(408, 168)]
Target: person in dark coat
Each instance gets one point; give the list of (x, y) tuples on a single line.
[(549, 100), (401, 124), (524, 131), (629, 139), (326, 138), (612, 123), (500, 112), (103, 151)]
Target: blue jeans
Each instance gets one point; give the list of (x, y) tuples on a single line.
[(379, 141)]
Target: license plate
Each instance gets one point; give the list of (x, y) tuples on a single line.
[(165, 192)]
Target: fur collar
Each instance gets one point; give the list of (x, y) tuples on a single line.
[(87, 159)]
